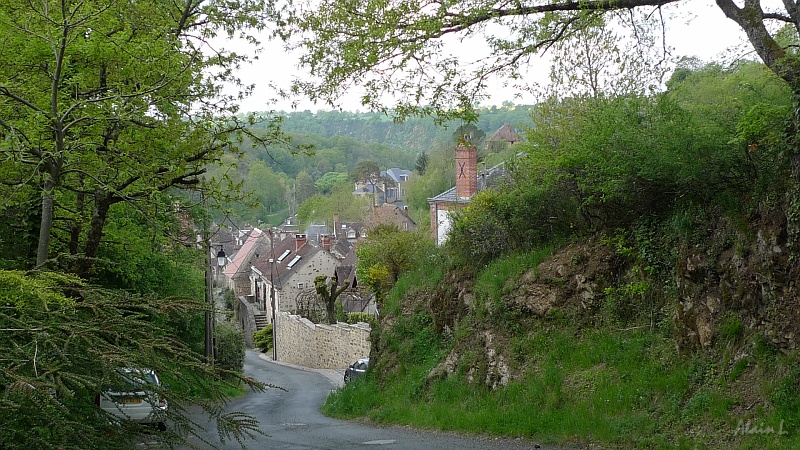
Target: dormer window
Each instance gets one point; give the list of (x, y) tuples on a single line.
[(284, 255), (351, 234), (293, 261)]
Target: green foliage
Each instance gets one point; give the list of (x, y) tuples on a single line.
[(262, 339), (731, 329), (516, 217), (605, 162), (495, 280), (321, 208), (88, 127), (304, 188), (356, 317), (330, 180), (229, 341), (42, 291), (421, 164), (60, 356), (786, 399), (268, 190), (389, 252)]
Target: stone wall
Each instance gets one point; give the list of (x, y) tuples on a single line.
[(304, 343), (243, 309)]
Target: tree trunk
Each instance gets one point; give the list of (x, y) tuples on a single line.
[(94, 234), (46, 224), (77, 226)]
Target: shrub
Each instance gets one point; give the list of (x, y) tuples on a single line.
[(356, 317), (230, 347), (228, 297), (262, 339)]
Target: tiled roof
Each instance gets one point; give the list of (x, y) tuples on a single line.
[(315, 231), (446, 196), (243, 254), (390, 214), (343, 227), (342, 248), (369, 189), (506, 134)]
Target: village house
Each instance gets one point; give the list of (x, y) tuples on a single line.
[(389, 188), (469, 181), (388, 214), (288, 270), (394, 181), (236, 273)]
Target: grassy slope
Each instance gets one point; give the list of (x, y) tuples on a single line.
[(572, 383)]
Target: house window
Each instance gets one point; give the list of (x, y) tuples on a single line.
[(351, 234), (293, 261), (301, 285), (284, 255)]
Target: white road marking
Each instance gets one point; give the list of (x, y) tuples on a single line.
[(380, 442)]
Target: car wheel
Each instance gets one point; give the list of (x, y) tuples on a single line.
[(347, 377)]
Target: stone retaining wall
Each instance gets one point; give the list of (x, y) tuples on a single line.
[(244, 311), (304, 343)]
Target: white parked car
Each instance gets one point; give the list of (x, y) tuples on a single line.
[(135, 398)]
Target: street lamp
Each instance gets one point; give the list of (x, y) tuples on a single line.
[(210, 315), (222, 258)]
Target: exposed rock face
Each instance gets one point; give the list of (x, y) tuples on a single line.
[(574, 276), (741, 273), (754, 281)]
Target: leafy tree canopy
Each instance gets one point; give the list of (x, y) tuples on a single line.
[(112, 102), (395, 50)]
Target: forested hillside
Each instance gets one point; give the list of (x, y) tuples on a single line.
[(414, 134), (325, 148)]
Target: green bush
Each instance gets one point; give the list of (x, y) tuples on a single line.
[(360, 317), (262, 339), (228, 298), (230, 347)]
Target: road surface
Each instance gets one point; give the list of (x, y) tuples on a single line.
[(291, 419)]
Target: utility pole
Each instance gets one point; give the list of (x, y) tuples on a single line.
[(272, 296), (209, 333)]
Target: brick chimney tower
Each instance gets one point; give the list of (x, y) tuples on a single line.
[(466, 171), (300, 240)]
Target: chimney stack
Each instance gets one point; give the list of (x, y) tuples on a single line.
[(326, 242), (466, 171), (300, 240)]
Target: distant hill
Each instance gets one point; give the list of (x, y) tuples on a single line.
[(415, 134)]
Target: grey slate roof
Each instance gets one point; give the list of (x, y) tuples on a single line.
[(395, 174), (282, 269)]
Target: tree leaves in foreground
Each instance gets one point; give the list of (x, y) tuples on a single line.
[(105, 102), (62, 341), (398, 52)]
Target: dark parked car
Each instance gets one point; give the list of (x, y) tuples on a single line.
[(356, 370)]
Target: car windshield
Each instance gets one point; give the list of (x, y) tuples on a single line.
[(133, 380)]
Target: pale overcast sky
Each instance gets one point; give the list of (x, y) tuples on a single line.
[(700, 30)]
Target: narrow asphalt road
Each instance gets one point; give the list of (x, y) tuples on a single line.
[(291, 418)]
